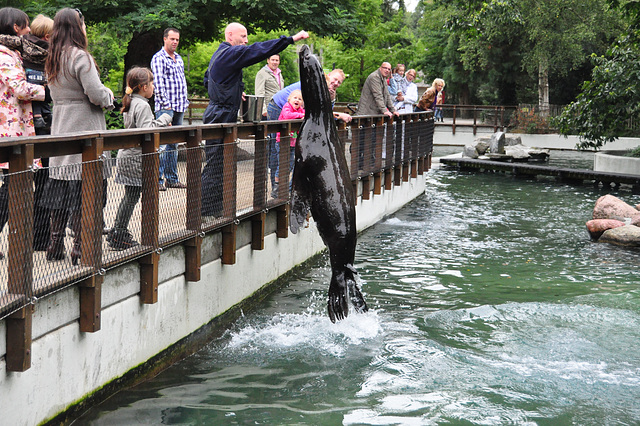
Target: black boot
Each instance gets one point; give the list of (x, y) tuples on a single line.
[(41, 215), (59, 218), (76, 226)]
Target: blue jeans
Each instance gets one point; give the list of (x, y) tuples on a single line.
[(273, 113), (169, 152)]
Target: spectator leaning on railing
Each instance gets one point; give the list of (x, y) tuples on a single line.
[(223, 80), (78, 99), (16, 115)]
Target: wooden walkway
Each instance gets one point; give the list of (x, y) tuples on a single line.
[(530, 170)]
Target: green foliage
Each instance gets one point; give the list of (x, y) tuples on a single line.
[(609, 105), (635, 152), (498, 39), (108, 46), (114, 120), (528, 120), (488, 51)]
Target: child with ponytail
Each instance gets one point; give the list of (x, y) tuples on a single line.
[(137, 115)]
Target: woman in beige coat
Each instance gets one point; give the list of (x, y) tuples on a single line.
[(78, 100)]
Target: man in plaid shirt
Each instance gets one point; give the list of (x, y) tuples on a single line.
[(170, 97)]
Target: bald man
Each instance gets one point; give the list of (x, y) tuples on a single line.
[(223, 80), (375, 98)]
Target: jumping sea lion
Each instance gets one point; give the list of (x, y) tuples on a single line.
[(321, 183)]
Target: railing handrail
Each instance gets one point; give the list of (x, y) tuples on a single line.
[(367, 136)]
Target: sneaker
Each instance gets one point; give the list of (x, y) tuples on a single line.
[(161, 187), (177, 185), (121, 239)]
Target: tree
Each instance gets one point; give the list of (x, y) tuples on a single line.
[(609, 105), (540, 37), (141, 22)]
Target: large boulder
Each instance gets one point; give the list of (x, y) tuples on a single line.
[(518, 152), (596, 227), (627, 236), (497, 143), (511, 140), (610, 207), (470, 151)]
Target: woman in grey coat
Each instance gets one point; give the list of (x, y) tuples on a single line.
[(78, 99)]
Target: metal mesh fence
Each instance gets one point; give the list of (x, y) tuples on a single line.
[(65, 222)]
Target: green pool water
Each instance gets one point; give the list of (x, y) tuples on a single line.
[(488, 305)]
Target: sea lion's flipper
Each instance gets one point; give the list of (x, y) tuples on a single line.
[(300, 202), (356, 297), (337, 305)]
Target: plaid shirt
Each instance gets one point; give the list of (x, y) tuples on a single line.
[(169, 81)]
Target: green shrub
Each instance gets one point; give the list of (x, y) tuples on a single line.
[(114, 120), (527, 120), (635, 152)]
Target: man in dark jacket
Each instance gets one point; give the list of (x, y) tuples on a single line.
[(223, 80)]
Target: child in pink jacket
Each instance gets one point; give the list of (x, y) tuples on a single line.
[(292, 110)]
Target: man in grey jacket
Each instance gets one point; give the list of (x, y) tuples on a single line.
[(375, 98)]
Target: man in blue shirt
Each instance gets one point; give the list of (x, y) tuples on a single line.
[(223, 80), (171, 98)]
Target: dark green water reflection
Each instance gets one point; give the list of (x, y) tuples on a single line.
[(489, 305)]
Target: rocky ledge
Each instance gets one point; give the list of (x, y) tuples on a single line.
[(502, 147), (615, 222)]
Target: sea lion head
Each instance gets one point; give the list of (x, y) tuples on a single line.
[(315, 92)]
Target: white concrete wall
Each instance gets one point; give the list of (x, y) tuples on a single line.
[(67, 365), (606, 161), (463, 136)]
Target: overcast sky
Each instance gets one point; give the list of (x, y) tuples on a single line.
[(410, 4)]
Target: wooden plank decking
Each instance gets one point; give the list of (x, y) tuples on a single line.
[(560, 173)]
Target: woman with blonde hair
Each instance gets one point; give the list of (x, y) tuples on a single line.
[(430, 96)]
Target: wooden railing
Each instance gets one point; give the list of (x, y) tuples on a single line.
[(495, 117), (382, 153)]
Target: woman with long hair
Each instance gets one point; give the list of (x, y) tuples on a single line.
[(430, 96), (78, 99), (16, 93)]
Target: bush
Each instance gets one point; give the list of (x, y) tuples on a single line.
[(114, 120), (527, 120), (635, 152)]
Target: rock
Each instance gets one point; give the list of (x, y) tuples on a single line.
[(635, 221), (482, 146), (518, 152), (610, 207), (627, 236), (597, 227), (497, 143), (470, 151), (512, 140)]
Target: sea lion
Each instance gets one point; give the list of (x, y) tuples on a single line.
[(321, 184)]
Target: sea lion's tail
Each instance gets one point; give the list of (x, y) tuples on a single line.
[(343, 286)]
